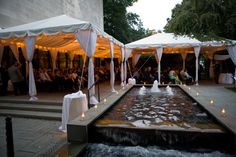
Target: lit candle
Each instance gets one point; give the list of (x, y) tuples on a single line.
[(117, 92), (211, 101), (197, 94), (82, 115), (223, 112), (105, 100), (184, 84), (189, 88), (96, 106)]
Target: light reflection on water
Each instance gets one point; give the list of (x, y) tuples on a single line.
[(102, 150), (158, 110)]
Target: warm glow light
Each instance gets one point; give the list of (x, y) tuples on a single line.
[(83, 115), (105, 100), (189, 88), (117, 92), (184, 84), (211, 102), (197, 94), (144, 83), (223, 112), (96, 106)]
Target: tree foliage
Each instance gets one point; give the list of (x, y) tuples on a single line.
[(125, 27), (204, 19)]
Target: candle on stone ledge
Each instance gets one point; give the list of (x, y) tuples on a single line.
[(105, 100), (211, 102), (223, 112), (82, 115)]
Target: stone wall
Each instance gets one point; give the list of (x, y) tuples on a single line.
[(16, 12)]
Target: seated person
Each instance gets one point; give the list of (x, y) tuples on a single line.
[(174, 77), (186, 77)]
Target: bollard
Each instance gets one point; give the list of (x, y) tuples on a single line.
[(9, 137)]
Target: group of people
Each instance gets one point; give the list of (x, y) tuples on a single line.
[(149, 74), (74, 79)]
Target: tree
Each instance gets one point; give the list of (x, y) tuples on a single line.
[(204, 19), (125, 27)]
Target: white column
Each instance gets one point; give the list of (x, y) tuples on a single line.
[(232, 54), (29, 44), (127, 54), (87, 40), (197, 52), (184, 56), (159, 55), (112, 73), (122, 65)]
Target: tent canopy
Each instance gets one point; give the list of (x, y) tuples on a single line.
[(171, 44), (57, 33)]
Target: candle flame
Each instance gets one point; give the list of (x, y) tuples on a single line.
[(96, 106), (83, 115), (105, 100), (211, 102), (223, 111)]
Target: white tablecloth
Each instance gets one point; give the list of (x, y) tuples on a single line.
[(225, 78), (73, 106)]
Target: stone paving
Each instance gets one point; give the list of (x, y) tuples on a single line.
[(32, 137)]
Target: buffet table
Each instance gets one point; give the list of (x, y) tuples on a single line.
[(73, 106)]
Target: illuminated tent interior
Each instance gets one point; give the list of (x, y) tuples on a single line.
[(169, 43), (61, 34)]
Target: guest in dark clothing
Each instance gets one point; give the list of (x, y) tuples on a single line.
[(16, 78), (4, 79)]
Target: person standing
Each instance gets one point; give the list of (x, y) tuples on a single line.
[(16, 78)]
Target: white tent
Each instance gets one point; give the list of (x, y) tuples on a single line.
[(61, 34), (169, 43)]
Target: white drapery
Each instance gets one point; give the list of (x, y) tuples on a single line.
[(1, 54), (135, 59), (184, 56), (87, 40), (71, 55), (26, 61), (127, 54), (159, 55), (15, 52), (122, 65), (53, 54), (112, 73), (197, 52), (29, 45), (211, 70), (232, 54)]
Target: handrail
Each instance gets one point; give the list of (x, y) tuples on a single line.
[(96, 82)]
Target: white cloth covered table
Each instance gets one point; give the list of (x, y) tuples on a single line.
[(131, 81), (73, 106), (226, 78)]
